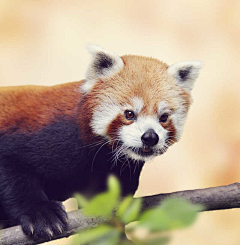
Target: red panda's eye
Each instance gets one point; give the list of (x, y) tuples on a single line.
[(129, 115), (164, 118)]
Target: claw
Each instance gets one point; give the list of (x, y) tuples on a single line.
[(49, 232), (31, 228), (59, 228), (65, 218)]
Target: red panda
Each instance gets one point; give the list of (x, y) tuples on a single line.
[(56, 141)]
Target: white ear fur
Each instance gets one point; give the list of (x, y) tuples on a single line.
[(103, 64), (186, 73)]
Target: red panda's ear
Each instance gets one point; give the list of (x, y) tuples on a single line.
[(103, 64), (186, 73)]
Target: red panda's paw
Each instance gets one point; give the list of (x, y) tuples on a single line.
[(45, 221)]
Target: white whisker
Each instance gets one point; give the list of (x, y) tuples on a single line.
[(98, 151)]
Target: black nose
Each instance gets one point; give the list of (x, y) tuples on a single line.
[(150, 138)]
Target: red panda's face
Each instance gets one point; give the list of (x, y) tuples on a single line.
[(140, 108)]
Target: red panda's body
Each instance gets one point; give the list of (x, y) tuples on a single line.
[(56, 141), (41, 140)]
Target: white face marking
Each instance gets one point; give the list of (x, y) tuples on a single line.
[(108, 111), (137, 104), (137, 157), (131, 134), (178, 119), (178, 116), (103, 116), (162, 107)]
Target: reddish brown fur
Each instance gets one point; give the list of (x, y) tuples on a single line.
[(113, 129), (86, 108), (169, 126), (186, 99), (26, 109)]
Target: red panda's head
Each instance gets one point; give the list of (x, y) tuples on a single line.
[(138, 104)]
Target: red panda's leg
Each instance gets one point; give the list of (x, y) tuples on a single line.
[(25, 203)]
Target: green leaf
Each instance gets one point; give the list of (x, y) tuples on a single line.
[(132, 212), (157, 241), (172, 213), (82, 201), (123, 206), (181, 212), (100, 205), (104, 203), (155, 220), (127, 242), (88, 236), (113, 185), (111, 238)]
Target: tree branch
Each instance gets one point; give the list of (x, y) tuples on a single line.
[(215, 198)]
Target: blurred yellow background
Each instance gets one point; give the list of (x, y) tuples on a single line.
[(43, 43)]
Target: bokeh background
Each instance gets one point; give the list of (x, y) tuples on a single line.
[(43, 43)]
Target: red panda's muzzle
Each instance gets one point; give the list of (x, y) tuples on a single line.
[(146, 148)]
